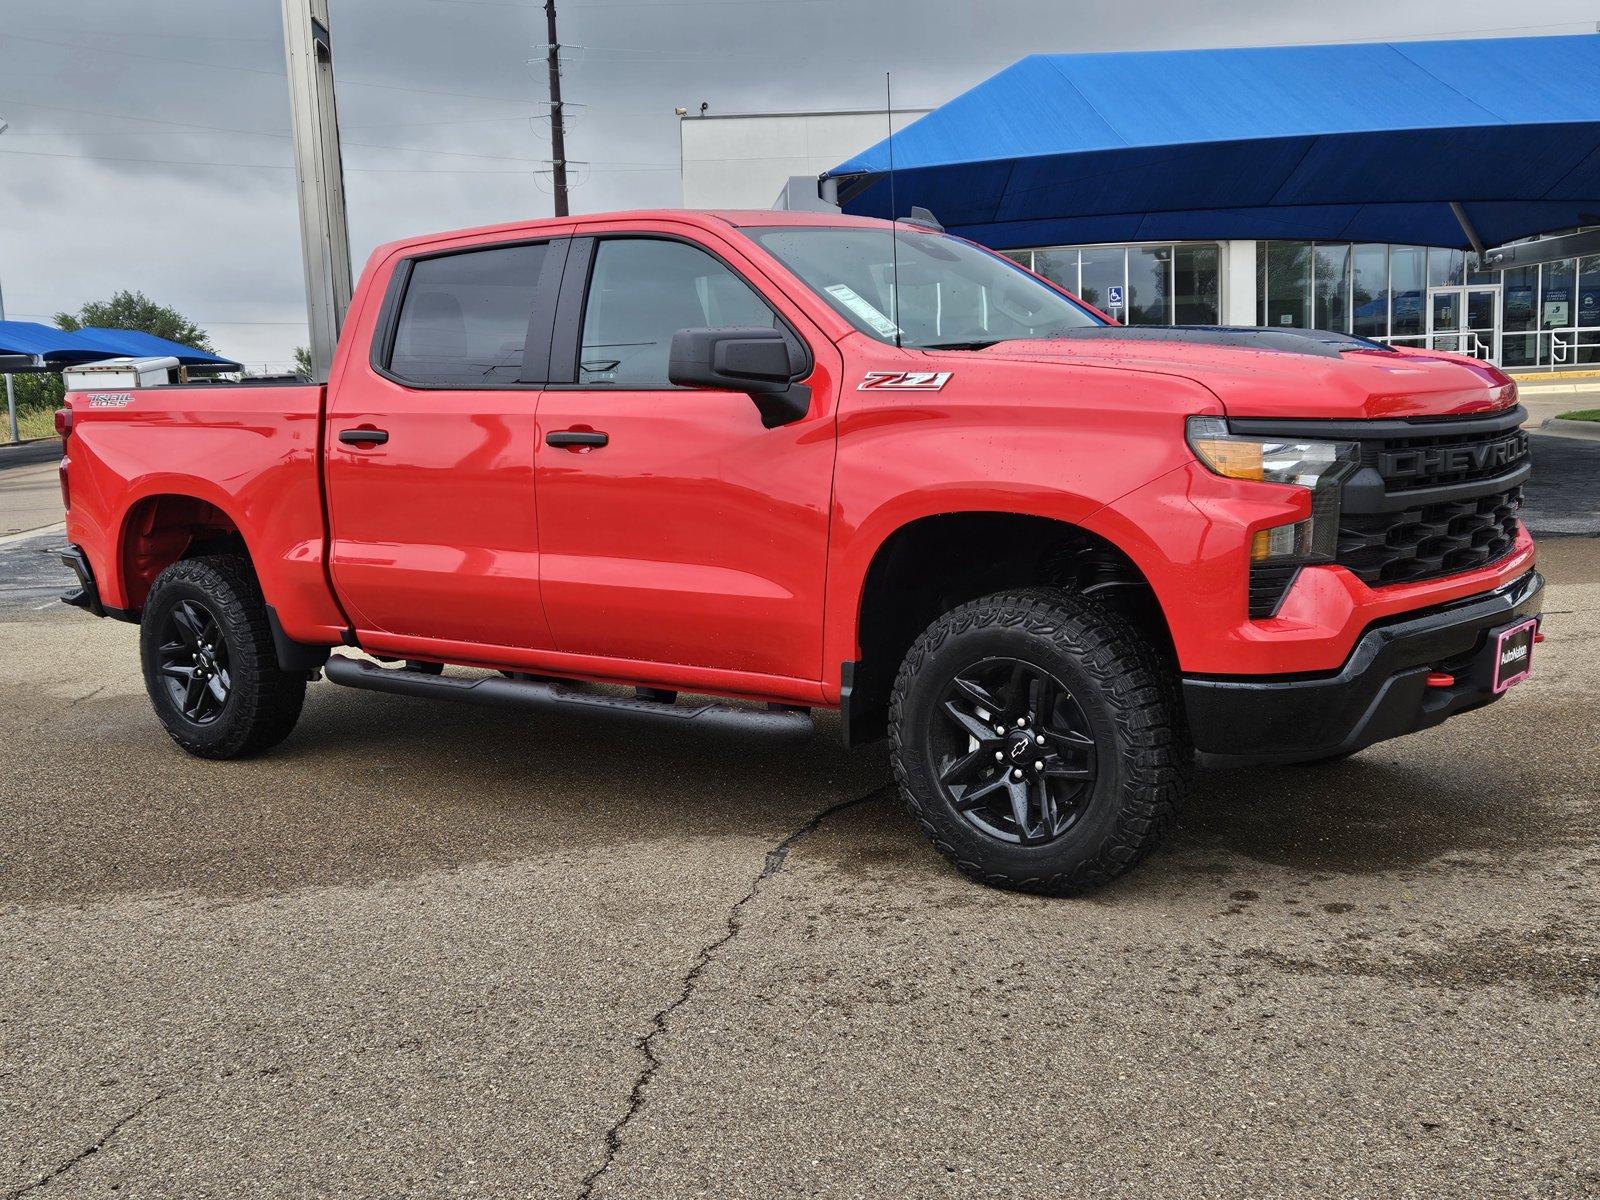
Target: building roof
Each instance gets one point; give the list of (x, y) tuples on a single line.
[(1366, 142), (57, 348)]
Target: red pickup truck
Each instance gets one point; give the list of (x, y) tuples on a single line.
[(811, 461)]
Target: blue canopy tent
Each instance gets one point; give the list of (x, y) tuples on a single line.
[(137, 344), (1427, 143), (52, 348)]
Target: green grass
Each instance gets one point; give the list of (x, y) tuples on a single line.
[(39, 424), (1582, 414)]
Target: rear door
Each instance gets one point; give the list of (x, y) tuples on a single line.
[(430, 450), (692, 535)]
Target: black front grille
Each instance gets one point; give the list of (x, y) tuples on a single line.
[(1430, 539), (1415, 462)]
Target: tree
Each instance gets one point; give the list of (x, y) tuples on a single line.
[(135, 310), (302, 362)]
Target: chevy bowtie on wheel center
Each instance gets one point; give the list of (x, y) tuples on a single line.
[(782, 462)]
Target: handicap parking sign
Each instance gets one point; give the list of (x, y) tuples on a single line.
[(1114, 296)]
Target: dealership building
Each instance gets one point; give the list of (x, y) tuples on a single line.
[(1409, 192)]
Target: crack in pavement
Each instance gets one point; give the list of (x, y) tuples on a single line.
[(94, 1148), (658, 1024)]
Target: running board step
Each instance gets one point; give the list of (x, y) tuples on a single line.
[(494, 692)]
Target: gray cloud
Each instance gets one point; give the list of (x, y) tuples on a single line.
[(148, 145)]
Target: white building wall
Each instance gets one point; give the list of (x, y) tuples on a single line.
[(744, 160), (1238, 282)]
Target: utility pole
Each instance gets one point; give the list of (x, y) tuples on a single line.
[(558, 141), (324, 233), (11, 395)]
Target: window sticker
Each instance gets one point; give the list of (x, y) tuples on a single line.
[(856, 303)]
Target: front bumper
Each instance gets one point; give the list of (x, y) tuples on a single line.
[(1381, 692)]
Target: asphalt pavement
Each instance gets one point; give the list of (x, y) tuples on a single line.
[(423, 950), (429, 951)]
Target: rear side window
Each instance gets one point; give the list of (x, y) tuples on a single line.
[(464, 319), (643, 291)]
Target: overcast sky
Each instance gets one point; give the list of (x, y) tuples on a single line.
[(148, 145)]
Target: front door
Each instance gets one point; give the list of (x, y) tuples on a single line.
[(1465, 320), (430, 453), (674, 528)]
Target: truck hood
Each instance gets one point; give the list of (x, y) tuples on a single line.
[(1287, 373)]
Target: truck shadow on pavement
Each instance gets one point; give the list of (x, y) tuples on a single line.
[(375, 787)]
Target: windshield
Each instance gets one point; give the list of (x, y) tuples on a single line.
[(952, 294)]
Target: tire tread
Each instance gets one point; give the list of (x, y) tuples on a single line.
[(1144, 702)]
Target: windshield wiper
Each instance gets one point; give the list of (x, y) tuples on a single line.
[(982, 344)]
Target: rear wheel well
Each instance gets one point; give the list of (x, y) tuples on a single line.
[(161, 530), (938, 563)]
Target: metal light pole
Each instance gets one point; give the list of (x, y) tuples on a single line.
[(324, 234), (11, 395)]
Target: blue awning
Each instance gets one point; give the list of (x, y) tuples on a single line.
[(136, 344), (58, 348), (53, 346), (1345, 143)]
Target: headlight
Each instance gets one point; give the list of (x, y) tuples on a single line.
[(1319, 467)]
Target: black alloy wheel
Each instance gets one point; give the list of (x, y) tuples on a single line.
[(193, 662), (1015, 754), (1039, 740), (210, 659)]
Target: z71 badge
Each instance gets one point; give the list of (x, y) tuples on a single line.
[(904, 381)]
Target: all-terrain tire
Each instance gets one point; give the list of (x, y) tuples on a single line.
[(1124, 689), (263, 702)]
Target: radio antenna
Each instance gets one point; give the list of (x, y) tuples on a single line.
[(894, 229)]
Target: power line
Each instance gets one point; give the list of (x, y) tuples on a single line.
[(609, 168)]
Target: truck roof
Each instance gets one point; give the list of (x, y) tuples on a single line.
[(706, 218)]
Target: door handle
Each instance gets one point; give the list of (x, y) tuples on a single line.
[(364, 437), (576, 439)]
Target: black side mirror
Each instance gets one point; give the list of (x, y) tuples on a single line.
[(755, 361)]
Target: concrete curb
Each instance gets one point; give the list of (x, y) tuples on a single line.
[(1587, 430)]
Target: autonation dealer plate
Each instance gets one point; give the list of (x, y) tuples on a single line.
[(1513, 656)]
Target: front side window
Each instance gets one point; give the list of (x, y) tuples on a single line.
[(464, 320), (932, 291), (644, 290)]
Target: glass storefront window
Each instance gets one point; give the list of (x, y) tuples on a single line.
[(1060, 267), (1105, 267), (1195, 272), (1516, 308), (1023, 258), (1332, 280), (1549, 315), (1588, 315), (1558, 281), (1289, 284), (1445, 267), (1261, 283), (1407, 270), (1149, 285), (1518, 349), (1369, 291)]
